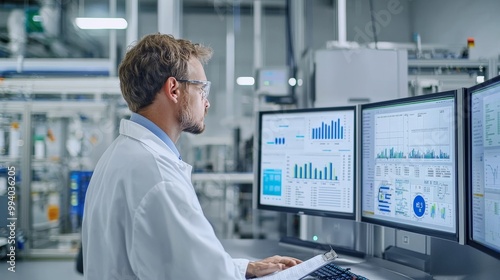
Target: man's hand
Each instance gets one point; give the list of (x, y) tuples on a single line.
[(270, 265)]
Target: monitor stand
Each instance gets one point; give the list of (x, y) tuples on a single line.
[(409, 258)]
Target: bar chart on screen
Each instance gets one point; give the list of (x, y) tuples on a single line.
[(414, 135), (284, 134), (328, 131), (319, 168)]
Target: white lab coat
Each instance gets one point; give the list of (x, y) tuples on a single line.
[(143, 220)]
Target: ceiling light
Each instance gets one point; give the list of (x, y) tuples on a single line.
[(101, 23)]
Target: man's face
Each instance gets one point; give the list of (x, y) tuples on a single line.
[(194, 106)]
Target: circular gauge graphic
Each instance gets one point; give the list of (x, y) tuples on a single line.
[(419, 206)]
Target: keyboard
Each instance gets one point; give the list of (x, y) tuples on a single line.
[(331, 271)]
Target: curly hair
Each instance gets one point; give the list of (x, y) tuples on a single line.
[(149, 63)]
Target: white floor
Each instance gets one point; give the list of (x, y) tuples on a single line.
[(40, 270)]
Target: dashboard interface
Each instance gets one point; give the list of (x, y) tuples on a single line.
[(408, 160), (306, 161), (484, 195)]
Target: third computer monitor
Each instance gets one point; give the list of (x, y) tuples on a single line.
[(409, 164), (483, 196), (306, 161)]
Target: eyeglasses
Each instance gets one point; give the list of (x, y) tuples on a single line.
[(205, 86)]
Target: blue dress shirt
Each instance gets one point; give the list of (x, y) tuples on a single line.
[(156, 131)]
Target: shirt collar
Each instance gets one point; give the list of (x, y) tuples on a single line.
[(156, 131)]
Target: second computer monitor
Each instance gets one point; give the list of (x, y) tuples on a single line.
[(409, 164), (483, 188), (306, 161)]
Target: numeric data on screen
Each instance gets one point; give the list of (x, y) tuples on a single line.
[(485, 166), (307, 160), (408, 164)]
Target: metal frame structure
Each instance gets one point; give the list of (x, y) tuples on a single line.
[(58, 98)]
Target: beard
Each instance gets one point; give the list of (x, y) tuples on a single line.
[(190, 125), (188, 122)]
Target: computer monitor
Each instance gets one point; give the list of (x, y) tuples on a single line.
[(306, 161), (409, 164), (483, 188)]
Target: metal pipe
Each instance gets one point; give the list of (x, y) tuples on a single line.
[(132, 7), (257, 35), (230, 60), (169, 14), (26, 220), (342, 26), (257, 63), (112, 41)]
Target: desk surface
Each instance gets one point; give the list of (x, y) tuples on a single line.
[(371, 268)]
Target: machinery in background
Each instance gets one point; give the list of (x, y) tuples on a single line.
[(355, 76), (54, 131), (43, 29), (435, 68)]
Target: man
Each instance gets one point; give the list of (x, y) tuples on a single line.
[(142, 219)]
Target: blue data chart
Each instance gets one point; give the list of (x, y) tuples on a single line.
[(384, 198), (433, 210), (328, 130), (279, 140), (442, 213), (283, 134), (390, 153), (272, 182), (310, 171), (428, 154), (438, 211)]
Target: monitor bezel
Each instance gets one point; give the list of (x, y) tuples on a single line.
[(307, 211), (420, 230), (468, 139)]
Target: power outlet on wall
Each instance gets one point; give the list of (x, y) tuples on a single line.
[(411, 241), (406, 239)]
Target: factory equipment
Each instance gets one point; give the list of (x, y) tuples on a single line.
[(434, 75), (53, 130), (353, 76)]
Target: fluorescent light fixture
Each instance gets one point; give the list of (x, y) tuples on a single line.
[(101, 23), (245, 81)]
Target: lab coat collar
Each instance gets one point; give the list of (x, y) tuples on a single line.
[(140, 133), (156, 130)]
